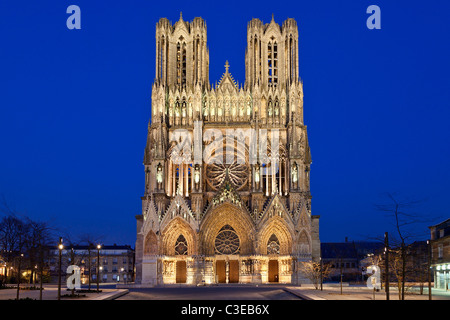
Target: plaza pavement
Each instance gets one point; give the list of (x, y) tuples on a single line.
[(211, 292), (50, 292), (224, 292), (308, 292), (274, 292)]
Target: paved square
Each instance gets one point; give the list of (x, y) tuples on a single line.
[(235, 292)]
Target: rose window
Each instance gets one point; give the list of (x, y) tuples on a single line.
[(227, 241), (237, 173), (225, 161)]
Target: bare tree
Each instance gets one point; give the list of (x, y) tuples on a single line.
[(23, 243), (41, 234), (91, 242), (11, 238), (397, 263), (13, 234), (419, 264), (314, 271), (402, 210)]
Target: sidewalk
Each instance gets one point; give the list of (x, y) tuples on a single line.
[(50, 292), (362, 293)]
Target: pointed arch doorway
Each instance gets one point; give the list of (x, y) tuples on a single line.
[(227, 244), (273, 248), (181, 250)]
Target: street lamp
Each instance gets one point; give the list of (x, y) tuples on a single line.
[(18, 275), (60, 247), (98, 266), (321, 274), (386, 259)]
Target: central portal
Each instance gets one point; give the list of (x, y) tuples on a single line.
[(227, 271), (273, 270)]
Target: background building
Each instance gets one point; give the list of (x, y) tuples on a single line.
[(2, 267), (116, 263), (347, 258), (214, 219), (440, 253)]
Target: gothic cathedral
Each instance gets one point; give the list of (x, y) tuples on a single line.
[(227, 166)]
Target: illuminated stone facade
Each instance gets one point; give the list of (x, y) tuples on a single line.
[(242, 212)]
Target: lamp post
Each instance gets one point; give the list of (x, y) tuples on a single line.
[(98, 266), (89, 266), (321, 274), (60, 248), (340, 266), (35, 274), (386, 257), (18, 275)]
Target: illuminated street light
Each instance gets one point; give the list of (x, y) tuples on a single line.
[(98, 266), (18, 275), (60, 247)]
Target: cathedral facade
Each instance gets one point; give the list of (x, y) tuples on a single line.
[(227, 166)]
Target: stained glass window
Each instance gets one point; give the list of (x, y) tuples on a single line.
[(181, 246), (273, 245), (227, 241)]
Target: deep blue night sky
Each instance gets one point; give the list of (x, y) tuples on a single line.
[(75, 104)]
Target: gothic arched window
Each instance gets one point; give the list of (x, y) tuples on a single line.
[(291, 58), (162, 57), (270, 62), (181, 62), (181, 246), (255, 56), (178, 63), (183, 69), (227, 241), (275, 64), (273, 245)]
